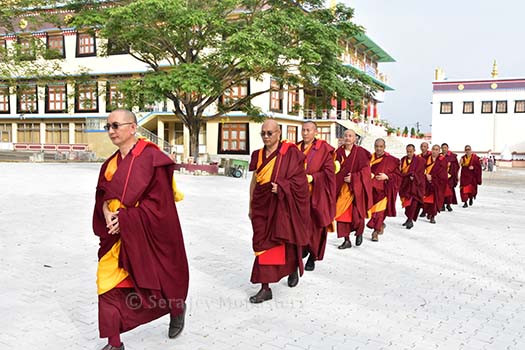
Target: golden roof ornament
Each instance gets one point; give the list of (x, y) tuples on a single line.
[(494, 72)]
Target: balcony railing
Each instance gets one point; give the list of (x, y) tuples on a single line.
[(327, 114)]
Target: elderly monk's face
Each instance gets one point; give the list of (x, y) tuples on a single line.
[(435, 151), (270, 134), (308, 132), (349, 137), (379, 147), (444, 149), (468, 151), (122, 130), (424, 147), (410, 152)]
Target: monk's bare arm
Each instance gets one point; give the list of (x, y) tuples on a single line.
[(252, 187)]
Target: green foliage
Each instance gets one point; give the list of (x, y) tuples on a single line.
[(412, 132), (405, 130)]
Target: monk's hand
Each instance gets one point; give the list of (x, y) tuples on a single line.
[(348, 178), (275, 188), (471, 167), (381, 177), (310, 178), (113, 225), (429, 177)]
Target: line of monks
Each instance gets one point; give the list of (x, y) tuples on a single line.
[(300, 192)]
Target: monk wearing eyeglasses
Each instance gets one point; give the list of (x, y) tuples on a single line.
[(470, 177), (279, 211), (142, 269)]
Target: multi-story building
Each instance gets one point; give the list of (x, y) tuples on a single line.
[(487, 114), (62, 115)]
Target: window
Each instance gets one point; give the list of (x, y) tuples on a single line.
[(114, 97), (56, 98), (233, 138), (5, 132), (86, 45), (86, 97), (486, 107), (323, 133), (55, 46), (235, 93), (291, 133), (293, 100), (519, 106), (80, 133), (2, 44), (446, 108), (27, 99), (28, 132), (276, 96), (26, 49), (179, 134), (4, 100), (468, 107), (57, 133), (501, 106)]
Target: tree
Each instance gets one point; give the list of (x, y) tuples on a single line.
[(199, 49), (412, 132), (405, 131)]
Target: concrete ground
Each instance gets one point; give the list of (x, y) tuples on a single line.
[(459, 284)]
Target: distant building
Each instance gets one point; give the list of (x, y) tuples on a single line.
[(488, 114)]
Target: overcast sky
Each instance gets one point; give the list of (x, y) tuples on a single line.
[(463, 37)]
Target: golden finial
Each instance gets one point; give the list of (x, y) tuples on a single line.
[(333, 4), (494, 70)]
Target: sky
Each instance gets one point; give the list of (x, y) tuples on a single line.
[(463, 37)]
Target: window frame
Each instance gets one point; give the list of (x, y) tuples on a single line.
[(443, 104), (235, 97), (465, 104), (295, 132), (48, 101), (78, 108), (516, 106), (276, 96), (6, 101), (293, 99), (220, 141), (500, 103), (52, 52), (109, 85), (78, 45), (19, 102), (483, 103)]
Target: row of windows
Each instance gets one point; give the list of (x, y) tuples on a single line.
[(86, 98), (86, 46), (55, 133), (486, 107), (234, 137)]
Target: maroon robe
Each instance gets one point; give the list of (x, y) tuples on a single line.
[(470, 179), (282, 218), (412, 188), (319, 163), (436, 187), (453, 172), (358, 164), (152, 247), (389, 165)]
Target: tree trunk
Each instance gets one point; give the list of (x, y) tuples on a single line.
[(194, 141)]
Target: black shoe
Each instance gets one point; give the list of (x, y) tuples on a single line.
[(346, 244), (465, 205), (409, 224), (470, 201), (449, 208), (305, 253), (358, 240), (310, 263), (262, 295), (177, 323), (109, 347), (443, 208), (406, 222), (293, 279), (432, 220), (422, 215)]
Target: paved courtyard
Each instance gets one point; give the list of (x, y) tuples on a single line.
[(459, 284)]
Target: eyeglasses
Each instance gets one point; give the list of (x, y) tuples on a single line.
[(467, 149), (268, 133), (115, 125)]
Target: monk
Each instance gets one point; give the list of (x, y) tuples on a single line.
[(353, 188), (425, 153), (412, 188), (470, 177), (279, 211), (453, 178), (385, 185), (142, 269), (436, 181), (320, 172)]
